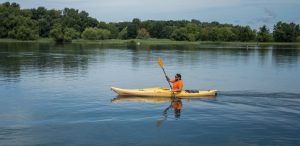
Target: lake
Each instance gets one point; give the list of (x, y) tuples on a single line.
[(60, 94)]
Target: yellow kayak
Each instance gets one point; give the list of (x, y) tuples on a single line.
[(162, 92)]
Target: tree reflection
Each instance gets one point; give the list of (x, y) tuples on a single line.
[(285, 57), (76, 58), (45, 57)]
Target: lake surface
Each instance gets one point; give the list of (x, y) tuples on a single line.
[(60, 95)]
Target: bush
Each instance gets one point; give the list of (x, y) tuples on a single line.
[(143, 34), (89, 34), (298, 39), (95, 34), (103, 34), (60, 34), (70, 34), (57, 33), (182, 34), (22, 28)]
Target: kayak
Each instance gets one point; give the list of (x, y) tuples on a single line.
[(162, 92)]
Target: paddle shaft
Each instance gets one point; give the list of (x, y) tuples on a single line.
[(161, 64), (166, 76)]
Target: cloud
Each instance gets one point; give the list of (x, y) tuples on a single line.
[(153, 6), (268, 2), (268, 16)]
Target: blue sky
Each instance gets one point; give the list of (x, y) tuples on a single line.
[(254, 13)]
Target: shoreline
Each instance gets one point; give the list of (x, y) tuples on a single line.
[(147, 42)]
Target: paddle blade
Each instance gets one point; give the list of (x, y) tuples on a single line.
[(160, 62)]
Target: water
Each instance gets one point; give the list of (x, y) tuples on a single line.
[(60, 95)]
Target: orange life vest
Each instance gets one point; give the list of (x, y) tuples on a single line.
[(177, 85)]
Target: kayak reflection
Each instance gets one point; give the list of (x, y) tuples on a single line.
[(120, 99), (158, 100), (175, 104)]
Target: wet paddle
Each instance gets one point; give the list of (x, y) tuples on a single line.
[(161, 64)]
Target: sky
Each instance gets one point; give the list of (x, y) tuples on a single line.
[(254, 13)]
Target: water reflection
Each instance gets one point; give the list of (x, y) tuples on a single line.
[(17, 58), (176, 104), (285, 57)]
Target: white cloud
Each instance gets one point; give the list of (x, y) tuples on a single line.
[(268, 17), (161, 6)]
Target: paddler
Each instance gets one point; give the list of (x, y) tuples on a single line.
[(177, 83)]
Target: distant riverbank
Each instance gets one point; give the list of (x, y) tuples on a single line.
[(150, 42)]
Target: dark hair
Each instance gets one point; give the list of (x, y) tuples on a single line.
[(178, 75)]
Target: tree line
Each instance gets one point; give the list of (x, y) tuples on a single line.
[(68, 24)]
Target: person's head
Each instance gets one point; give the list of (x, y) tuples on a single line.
[(178, 76)]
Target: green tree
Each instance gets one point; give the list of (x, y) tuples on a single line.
[(143, 34), (132, 28), (156, 29), (89, 34), (214, 34), (167, 31), (27, 29), (264, 35), (123, 34), (9, 18), (103, 34), (181, 34), (23, 33), (70, 34), (102, 25), (298, 39), (226, 34), (245, 33), (57, 33), (284, 32), (203, 34), (96, 34), (113, 30), (193, 31)]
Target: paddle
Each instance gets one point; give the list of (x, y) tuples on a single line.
[(161, 64)]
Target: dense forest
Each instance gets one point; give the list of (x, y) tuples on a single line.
[(68, 24)]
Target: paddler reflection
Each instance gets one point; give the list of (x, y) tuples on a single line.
[(176, 105)]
